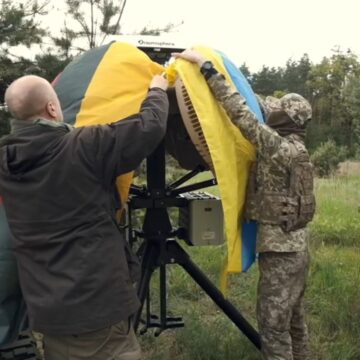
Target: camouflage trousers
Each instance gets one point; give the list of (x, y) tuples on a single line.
[(280, 305)]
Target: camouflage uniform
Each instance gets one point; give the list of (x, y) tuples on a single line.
[(283, 259)]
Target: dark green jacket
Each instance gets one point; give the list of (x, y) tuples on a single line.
[(58, 191)]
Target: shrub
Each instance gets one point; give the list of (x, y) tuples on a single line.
[(327, 157), (357, 152)]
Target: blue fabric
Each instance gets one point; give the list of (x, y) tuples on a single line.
[(243, 87), (12, 307), (249, 229)]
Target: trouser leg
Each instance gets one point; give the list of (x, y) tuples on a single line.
[(117, 342), (298, 328), (280, 285)]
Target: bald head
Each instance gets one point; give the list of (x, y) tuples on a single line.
[(32, 97)]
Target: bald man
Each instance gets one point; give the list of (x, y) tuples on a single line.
[(31, 97), (57, 185)]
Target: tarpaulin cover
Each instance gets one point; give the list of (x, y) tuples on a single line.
[(104, 85), (231, 153)]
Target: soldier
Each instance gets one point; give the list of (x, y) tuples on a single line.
[(280, 197)]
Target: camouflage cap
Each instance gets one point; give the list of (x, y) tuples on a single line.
[(272, 104), (297, 107)]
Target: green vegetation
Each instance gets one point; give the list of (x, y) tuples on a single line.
[(327, 157), (332, 298)]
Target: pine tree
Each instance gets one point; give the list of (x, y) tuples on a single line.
[(18, 25)]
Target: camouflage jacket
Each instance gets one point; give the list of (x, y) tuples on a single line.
[(274, 160)]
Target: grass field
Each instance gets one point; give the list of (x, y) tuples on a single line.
[(332, 298)]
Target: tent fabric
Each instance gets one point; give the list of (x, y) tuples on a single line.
[(231, 153), (71, 89), (104, 85), (12, 307)]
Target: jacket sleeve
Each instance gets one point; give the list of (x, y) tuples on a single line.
[(267, 141), (120, 147)]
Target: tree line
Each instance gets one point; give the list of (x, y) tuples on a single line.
[(333, 89), (332, 86)]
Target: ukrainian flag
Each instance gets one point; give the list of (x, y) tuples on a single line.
[(230, 152)]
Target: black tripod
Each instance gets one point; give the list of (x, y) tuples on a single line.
[(159, 247)]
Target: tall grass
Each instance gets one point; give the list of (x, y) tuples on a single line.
[(333, 302), (337, 218), (332, 298)]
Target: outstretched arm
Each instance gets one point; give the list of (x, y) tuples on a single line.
[(263, 137), (121, 146)]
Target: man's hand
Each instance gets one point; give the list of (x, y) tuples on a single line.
[(190, 55), (159, 81)]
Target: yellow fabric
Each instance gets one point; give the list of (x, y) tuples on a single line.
[(231, 153), (117, 89)]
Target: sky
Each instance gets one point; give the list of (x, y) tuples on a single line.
[(255, 32)]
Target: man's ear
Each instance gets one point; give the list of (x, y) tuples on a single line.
[(51, 109)]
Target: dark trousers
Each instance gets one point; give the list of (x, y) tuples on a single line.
[(117, 342)]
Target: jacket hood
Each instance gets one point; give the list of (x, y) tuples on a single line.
[(27, 148)]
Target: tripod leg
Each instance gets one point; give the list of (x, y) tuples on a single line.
[(183, 259), (148, 264), (163, 310)]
